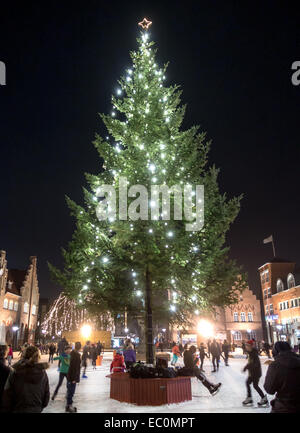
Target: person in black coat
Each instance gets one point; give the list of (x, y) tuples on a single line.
[(99, 348), (73, 376), (215, 354), (254, 373), (266, 348), (27, 387), (94, 356), (225, 350), (51, 352), (86, 354), (202, 355), (4, 370), (190, 361), (283, 378)]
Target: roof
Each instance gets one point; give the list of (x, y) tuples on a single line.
[(277, 260), (18, 277)]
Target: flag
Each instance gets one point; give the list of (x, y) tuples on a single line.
[(269, 239)]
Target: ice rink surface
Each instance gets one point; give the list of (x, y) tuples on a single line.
[(92, 394)]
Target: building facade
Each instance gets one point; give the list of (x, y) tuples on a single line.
[(238, 322), (280, 285), (19, 300)]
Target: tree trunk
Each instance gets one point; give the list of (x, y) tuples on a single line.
[(149, 333)]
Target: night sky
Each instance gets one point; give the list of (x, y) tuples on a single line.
[(233, 60)]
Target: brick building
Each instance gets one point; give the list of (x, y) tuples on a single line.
[(19, 300), (280, 285), (238, 322)]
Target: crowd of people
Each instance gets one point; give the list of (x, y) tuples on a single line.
[(24, 386)]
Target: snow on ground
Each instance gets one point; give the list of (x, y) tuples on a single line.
[(92, 394)]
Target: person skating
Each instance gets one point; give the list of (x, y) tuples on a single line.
[(9, 355), (64, 359), (73, 376), (190, 362), (202, 355), (254, 373), (225, 350), (99, 348), (94, 356), (283, 378), (215, 354), (266, 349), (176, 354), (27, 387), (85, 355), (51, 352)]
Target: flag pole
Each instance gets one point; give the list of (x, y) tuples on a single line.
[(273, 247)]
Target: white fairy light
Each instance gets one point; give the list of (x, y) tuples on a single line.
[(150, 231), (152, 168), (105, 259), (138, 293), (172, 308), (170, 234), (119, 91), (113, 114)]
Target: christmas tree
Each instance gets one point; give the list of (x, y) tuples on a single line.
[(125, 254)]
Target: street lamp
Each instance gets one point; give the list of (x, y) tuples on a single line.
[(126, 330), (86, 331), (205, 328)]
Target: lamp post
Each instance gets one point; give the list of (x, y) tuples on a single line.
[(15, 329)]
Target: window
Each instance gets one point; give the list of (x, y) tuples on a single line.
[(280, 305), (286, 304), (236, 317), (11, 305), (9, 285), (26, 307), (267, 276), (267, 310), (250, 317), (279, 285), (33, 309), (290, 281), (296, 302), (265, 293), (271, 309), (237, 335), (292, 303), (269, 292), (5, 303), (243, 317), (16, 306), (251, 335)]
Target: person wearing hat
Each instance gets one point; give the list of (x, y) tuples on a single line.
[(118, 365), (27, 387), (283, 378), (254, 373)]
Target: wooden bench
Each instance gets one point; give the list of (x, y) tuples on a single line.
[(150, 392)]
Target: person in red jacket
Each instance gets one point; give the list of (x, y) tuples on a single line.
[(176, 354), (118, 365)]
